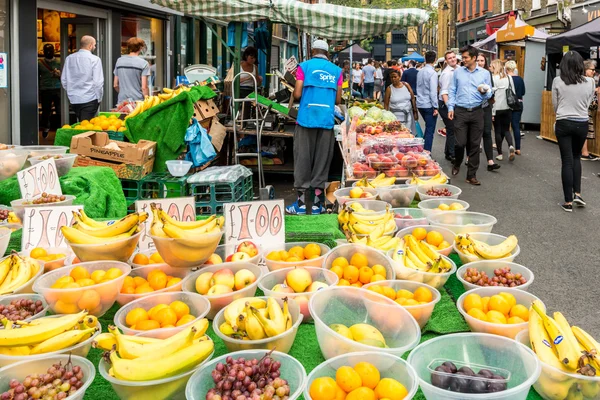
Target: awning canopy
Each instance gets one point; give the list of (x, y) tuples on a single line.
[(325, 20), (518, 23), (414, 56), (579, 39), (358, 53)]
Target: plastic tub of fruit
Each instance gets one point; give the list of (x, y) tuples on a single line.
[(441, 248), (11, 162), (436, 206), (490, 239), (144, 259), (162, 283), (475, 351), (361, 253), (398, 195), (382, 161), (282, 342), (20, 204), (188, 252), (464, 221), (349, 319), (494, 324), (97, 298), (27, 287), (274, 284), (35, 151), (354, 193), (232, 281), (197, 306), (290, 370), (40, 310), (436, 280), (490, 266), (4, 239), (80, 349), (117, 250), (406, 217), (442, 191), (54, 257), (393, 369), (425, 293), (377, 206), (275, 262), (225, 251), (63, 162), (23, 369), (171, 388)]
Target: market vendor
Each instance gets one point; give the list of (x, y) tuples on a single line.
[(319, 88)]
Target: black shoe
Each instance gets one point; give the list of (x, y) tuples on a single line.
[(455, 170), (578, 200), (567, 207), (450, 158), (589, 157), (493, 167), (45, 133)]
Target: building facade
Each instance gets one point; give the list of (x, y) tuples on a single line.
[(471, 17)]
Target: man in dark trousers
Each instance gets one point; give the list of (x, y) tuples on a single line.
[(410, 75), (319, 89), (469, 88), (444, 85)]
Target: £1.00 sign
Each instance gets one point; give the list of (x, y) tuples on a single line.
[(261, 222)]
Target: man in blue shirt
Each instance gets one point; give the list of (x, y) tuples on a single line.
[(469, 88), (369, 79), (410, 75), (427, 97)]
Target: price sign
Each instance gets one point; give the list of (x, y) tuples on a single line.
[(261, 222), (41, 178), (41, 226), (179, 208)]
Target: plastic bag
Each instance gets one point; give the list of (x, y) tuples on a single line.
[(419, 132), (199, 141)]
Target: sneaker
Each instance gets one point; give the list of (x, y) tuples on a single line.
[(493, 167), (589, 157), (317, 210), (522, 134), (511, 151), (567, 207), (442, 132), (296, 209), (578, 200), (499, 157)]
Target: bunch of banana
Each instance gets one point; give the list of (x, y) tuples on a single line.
[(190, 233), (15, 271), (250, 318), (376, 239), (419, 255), (355, 219), (379, 181), (466, 244), (151, 101), (46, 335), (437, 179), (88, 231)]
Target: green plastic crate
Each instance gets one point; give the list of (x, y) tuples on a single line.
[(131, 190), (211, 197), (162, 185)]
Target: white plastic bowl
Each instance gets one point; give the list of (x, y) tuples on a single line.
[(178, 167), (11, 162), (490, 238), (28, 287), (19, 207), (482, 349), (198, 305), (430, 207), (275, 265), (422, 191), (63, 164), (418, 217), (143, 272), (373, 257), (268, 281), (58, 263), (447, 234), (378, 206), (430, 278), (463, 221), (388, 365), (5, 300), (508, 330), (22, 369), (291, 370), (35, 151), (343, 195), (350, 306), (220, 301), (282, 342), (488, 266), (4, 239), (118, 250), (398, 195), (180, 253)]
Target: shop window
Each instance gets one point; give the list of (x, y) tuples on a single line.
[(470, 8), (151, 30), (209, 46), (464, 8), (486, 6), (535, 4), (196, 40), (477, 6), (5, 132)]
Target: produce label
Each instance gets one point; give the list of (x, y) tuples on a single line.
[(41, 226), (38, 179), (180, 208), (261, 222)]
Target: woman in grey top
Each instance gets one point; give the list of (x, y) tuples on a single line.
[(131, 72), (572, 93)]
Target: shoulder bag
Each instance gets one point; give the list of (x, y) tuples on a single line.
[(511, 97)]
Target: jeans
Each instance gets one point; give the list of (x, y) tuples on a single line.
[(571, 136), (47, 97), (516, 127), (86, 111), (449, 148), (430, 120), (368, 90), (468, 129), (502, 128), (356, 87), (488, 145)]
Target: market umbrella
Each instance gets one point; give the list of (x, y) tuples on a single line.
[(325, 20), (490, 41), (414, 56), (579, 39), (358, 53)]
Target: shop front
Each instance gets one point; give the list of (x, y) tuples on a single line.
[(584, 13), (471, 31), (548, 19)]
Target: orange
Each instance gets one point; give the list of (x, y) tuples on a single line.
[(158, 280), (351, 274), (365, 274), (156, 258), (185, 320), (391, 389), (180, 308), (85, 282), (156, 309), (368, 373), (143, 289), (173, 281), (359, 260), (423, 294), (499, 303), (379, 269), (377, 277), (362, 393), (139, 281), (86, 122), (478, 314), (78, 273), (283, 255), (472, 301), (166, 316), (343, 282), (410, 302), (136, 315), (485, 302), (62, 281), (495, 317), (376, 289), (434, 238), (141, 259), (323, 388), (61, 307), (297, 251), (128, 281), (339, 271), (401, 300), (420, 233), (389, 292), (113, 273), (514, 320), (273, 256), (293, 259), (128, 290), (340, 261), (406, 294), (347, 378), (444, 245), (38, 252), (519, 311), (509, 298), (356, 284), (311, 250), (72, 296), (339, 393), (147, 325), (98, 275), (90, 299)]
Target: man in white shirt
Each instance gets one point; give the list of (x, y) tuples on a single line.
[(83, 79), (445, 80)]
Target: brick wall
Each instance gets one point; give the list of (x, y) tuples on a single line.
[(470, 9)]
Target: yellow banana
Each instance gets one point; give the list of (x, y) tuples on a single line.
[(165, 96), (90, 221), (76, 236), (156, 229), (155, 101), (365, 218), (541, 343), (5, 268), (377, 233), (152, 351), (591, 346), (236, 307), (21, 272), (176, 232), (567, 354), (276, 314), (185, 224), (167, 90), (414, 247), (63, 340), (16, 351), (391, 244), (270, 327), (494, 252), (286, 315), (136, 110), (226, 329), (252, 327), (39, 333), (416, 261), (119, 227), (13, 218)]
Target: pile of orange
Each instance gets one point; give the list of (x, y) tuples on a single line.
[(357, 271), (142, 259), (160, 316), (432, 238), (101, 123), (501, 308), (296, 253), (156, 280), (405, 297), (361, 382)]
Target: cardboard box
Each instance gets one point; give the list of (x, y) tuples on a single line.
[(93, 144), (123, 170), (204, 109)]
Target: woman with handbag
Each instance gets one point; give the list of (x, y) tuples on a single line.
[(487, 119), (501, 111), (517, 111), (590, 70), (400, 100)]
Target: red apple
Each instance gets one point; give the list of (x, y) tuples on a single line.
[(214, 259), (248, 247), (238, 256), (203, 282), (317, 286), (243, 278), (303, 304), (365, 195), (224, 277), (219, 289), (282, 288)]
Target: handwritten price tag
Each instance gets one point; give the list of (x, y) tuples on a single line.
[(41, 178), (179, 208), (41, 226), (261, 222)]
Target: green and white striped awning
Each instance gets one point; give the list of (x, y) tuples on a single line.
[(324, 20)]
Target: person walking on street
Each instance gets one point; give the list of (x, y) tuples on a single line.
[(83, 79), (400, 100), (488, 143), (501, 112), (357, 79), (378, 81), (427, 97), (445, 79), (49, 81), (469, 88), (572, 93), (369, 79), (410, 75), (132, 72), (319, 89), (517, 112), (590, 70)]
